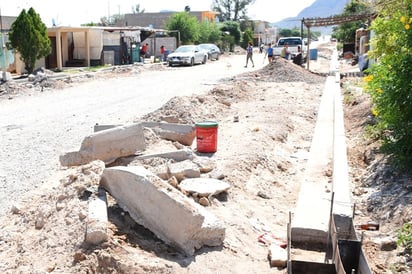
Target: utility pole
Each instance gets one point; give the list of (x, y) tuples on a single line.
[(108, 11), (1, 23), (3, 45)]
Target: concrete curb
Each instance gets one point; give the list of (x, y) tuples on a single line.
[(311, 218), (310, 224)]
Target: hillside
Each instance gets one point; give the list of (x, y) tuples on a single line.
[(319, 8)]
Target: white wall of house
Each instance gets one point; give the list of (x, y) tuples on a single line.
[(111, 38), (95, 40), (96, 43)]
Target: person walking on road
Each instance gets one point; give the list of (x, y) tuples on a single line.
[(269, 53), (249, 54)]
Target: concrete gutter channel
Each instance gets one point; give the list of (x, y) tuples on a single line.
[(323, 219)]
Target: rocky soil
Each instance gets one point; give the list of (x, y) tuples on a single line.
[(380, 193), (266, 120)]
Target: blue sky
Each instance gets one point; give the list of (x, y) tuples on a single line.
[(76, 12)]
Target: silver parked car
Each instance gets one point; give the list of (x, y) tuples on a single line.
[(187, 55), (213, 51)]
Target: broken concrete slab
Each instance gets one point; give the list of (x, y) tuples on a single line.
[(96, 228), (180, 170), (278, 256), (178, 155), (98, 127), (107, 145), (153, 203), (204, 186), (182, 133), (205, 164), (184, 169)]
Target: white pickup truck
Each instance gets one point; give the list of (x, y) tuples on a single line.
[(293, 43)]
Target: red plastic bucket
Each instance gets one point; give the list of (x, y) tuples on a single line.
[(206, 136)]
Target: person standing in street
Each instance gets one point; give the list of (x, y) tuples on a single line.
[(249, 54), (143, 51), (298, 60), (163, 52), (269, 53), (285, 51)]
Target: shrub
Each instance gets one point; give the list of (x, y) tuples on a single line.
[(389, 80)]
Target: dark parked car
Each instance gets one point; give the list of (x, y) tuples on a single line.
[(213, 52), (187, 55)]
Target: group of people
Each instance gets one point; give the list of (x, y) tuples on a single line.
[(145, 48), (297, 58), (285, 53)]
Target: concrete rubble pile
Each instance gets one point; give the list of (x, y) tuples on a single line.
[(169, 198)]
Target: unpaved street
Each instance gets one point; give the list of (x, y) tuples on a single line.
[(35, 127)]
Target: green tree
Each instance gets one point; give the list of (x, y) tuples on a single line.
[(112, 20), (247, 37), (346, 31), (137, 9), (231, 10), (287, 33), (297, 32), (228, 42), (209, 33), (28, 36), (187, 25), (233, 29), (248, 24), (389, 81)]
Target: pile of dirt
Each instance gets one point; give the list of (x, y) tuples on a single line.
[(282, 70), (191, 109)]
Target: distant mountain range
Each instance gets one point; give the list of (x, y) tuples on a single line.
[(319, 8)]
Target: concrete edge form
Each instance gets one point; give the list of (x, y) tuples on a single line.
[(342, 245), (310, 222), (313, 209), (342, 205)]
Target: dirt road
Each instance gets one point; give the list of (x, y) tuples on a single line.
[(35, 128)]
